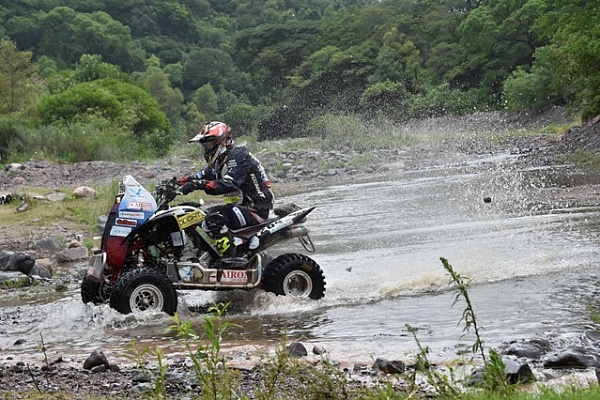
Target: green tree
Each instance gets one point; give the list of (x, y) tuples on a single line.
[(204, 66), (15, 73), (398, 60), (573, 53), (90, 68), (206, 100), (170, 99), (69, 34), (241, 117), (25, 30), (498, 37), (292, 41)]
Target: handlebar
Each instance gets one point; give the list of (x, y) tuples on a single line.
[(165, 191)]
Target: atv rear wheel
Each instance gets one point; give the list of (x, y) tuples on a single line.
[(143, 289), (94, 292), (294, 275)]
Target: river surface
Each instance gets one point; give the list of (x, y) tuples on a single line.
[(531, 261)]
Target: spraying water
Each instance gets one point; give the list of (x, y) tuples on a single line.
[(530, 257)]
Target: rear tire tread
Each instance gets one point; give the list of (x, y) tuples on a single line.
[(280, 267)]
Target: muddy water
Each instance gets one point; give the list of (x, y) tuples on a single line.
[(531, 260)]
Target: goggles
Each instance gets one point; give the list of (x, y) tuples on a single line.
[(210, 146)]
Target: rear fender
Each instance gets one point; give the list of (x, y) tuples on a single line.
[(290, 219)]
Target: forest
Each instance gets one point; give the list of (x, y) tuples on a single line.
[(130, 79)]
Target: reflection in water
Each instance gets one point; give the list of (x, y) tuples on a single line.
[(531, 259)]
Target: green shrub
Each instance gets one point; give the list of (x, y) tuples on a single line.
[(13, 137), (439, 101), (529, 90), (128, 107), (92, 138), (339, 131), (384, 98)]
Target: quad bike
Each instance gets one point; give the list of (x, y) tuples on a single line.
[(150, 249)]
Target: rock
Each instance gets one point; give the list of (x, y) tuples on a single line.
[(318, 350), (14, 167), (44, 262), (592, 336), (5, 259), (95, 359), (297, 349), (141, 378), (11, 261), (55, 196), (41, 271), (18, 181), (85, 192), (74, 243), (532, 350), (98, 368), (22, 207), (13, 279), (569, 358), (514, 372), (517, 373), (72, 254), (47, 243), (148, 174), (389, 367)]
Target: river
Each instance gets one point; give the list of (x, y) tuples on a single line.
[(530, 259)]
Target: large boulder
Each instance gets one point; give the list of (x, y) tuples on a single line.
[(570, 358), (72, 254), (85, 192), (16, 261)]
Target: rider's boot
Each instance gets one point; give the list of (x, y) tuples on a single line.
[(225, 244)]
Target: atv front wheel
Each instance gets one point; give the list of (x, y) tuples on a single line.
[(143, 289), (294, 275), (94, 292)]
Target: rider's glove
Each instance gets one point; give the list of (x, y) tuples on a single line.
[(188, 187), (193, 185), (183, 180)]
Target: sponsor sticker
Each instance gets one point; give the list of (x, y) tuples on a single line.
[(119, 231), (136, 190), (126, 222), (234, 276), (131, 214), (189, 219), (139, 205)]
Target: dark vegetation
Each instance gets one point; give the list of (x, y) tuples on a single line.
[(128, 79)]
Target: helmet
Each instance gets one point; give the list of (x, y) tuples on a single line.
[(216, 140)]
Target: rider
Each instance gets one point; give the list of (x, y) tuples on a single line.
[(234, 172)]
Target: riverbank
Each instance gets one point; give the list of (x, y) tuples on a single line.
[(414, 154)]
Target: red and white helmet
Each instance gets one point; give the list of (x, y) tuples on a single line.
[(216, 139)]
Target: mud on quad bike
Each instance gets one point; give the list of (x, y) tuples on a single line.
[(150, 249)]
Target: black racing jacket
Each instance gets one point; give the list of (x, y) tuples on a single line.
[(242, 174)]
